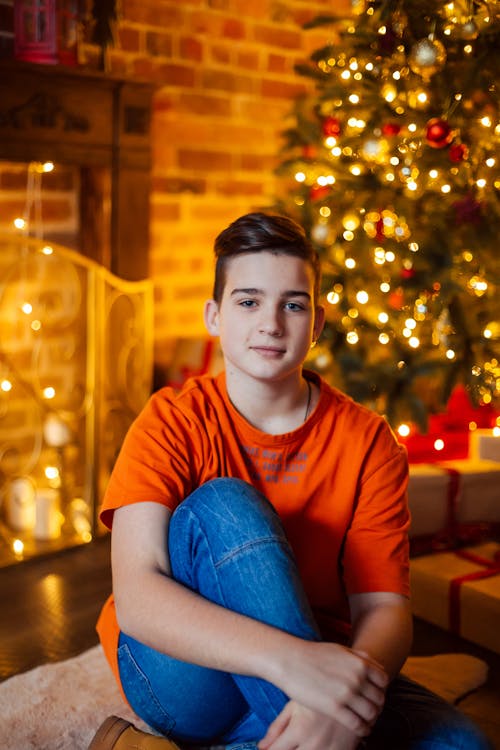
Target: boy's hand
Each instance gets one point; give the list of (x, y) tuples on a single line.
[(299, 728), (336, 681)]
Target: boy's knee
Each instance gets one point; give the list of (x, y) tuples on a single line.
[(227, 502)]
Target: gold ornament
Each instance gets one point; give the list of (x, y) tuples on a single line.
[(427, 57), (358, 7), (323, 233), (469, 30), (375, 149)]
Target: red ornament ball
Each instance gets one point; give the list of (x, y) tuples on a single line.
[(309, 151), (318, 192), (331, 127), (391, 128), (407, 273), (458, 152), (438, 133), (396, 299)]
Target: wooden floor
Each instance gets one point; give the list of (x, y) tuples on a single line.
[(49, 608)]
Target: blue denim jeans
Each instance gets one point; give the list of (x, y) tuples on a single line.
[(227, 543)]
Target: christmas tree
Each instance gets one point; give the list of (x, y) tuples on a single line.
[(392, 167)]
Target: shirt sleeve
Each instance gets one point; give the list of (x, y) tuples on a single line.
[(376, 554), (155, 462)]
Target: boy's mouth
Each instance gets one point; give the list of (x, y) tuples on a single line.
[(268, 351)]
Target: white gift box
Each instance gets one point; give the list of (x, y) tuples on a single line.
[(485, 444), (464, 491)]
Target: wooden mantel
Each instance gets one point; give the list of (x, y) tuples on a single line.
[(100, 124)]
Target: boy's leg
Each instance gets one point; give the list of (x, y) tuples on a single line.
[(227, 543), (415, 719)]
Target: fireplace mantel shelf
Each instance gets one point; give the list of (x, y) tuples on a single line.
[(97, 122)]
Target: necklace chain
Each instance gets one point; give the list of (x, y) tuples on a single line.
[(309, 394)]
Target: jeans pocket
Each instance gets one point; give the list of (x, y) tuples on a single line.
[(140, 694)]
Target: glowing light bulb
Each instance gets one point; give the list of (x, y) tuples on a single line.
[(333, 298), (352, 337), (450, 354), (6, 386), (300, 177), (27, 308), (18, 547), (51, 472), (414, 342), (49, 392), (403, 430), (19, 223), (47, 250), (350, 263), (383, 338), (362, 297), (438, 444), (48, 166)]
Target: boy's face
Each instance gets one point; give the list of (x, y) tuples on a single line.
[(266, 319)]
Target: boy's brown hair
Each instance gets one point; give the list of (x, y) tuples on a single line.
[(260, 232)]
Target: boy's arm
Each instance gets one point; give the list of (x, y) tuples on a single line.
[(382, 628), (167, 616)]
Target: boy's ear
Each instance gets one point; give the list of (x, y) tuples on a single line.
[(211, 317), (319, 321)]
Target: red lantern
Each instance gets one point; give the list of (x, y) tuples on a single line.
[(45, 31), (35, 37)]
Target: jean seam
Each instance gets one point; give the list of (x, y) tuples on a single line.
[(248, 546), (168, 723)]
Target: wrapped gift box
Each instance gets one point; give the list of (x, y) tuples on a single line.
[(460, 591), (452, 497), (449, 432), (485, 444)]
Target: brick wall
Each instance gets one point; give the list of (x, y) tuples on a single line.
[(225, 76)]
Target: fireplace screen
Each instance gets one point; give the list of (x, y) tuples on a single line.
[(75, 368)]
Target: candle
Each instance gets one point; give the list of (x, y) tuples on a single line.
[(48, 518), (56, 432), (20, 504)]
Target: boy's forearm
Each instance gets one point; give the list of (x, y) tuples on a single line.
[(384, 632), (172, 619)]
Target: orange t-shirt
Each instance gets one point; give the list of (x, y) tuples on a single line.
[(338, 483)]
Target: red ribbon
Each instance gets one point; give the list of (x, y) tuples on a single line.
[(454, 534), (491, 568)]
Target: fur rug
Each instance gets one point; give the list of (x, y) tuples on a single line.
[(59, 706)]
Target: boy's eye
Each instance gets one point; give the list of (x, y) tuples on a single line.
[(293, 306), (247, 303)]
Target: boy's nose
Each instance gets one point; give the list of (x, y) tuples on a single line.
[(271, 324)]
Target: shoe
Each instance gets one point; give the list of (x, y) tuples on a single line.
[(118, 734)]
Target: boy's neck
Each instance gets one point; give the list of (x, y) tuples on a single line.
[(274, 407)]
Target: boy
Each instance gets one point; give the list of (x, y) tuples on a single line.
[(259, 542)]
